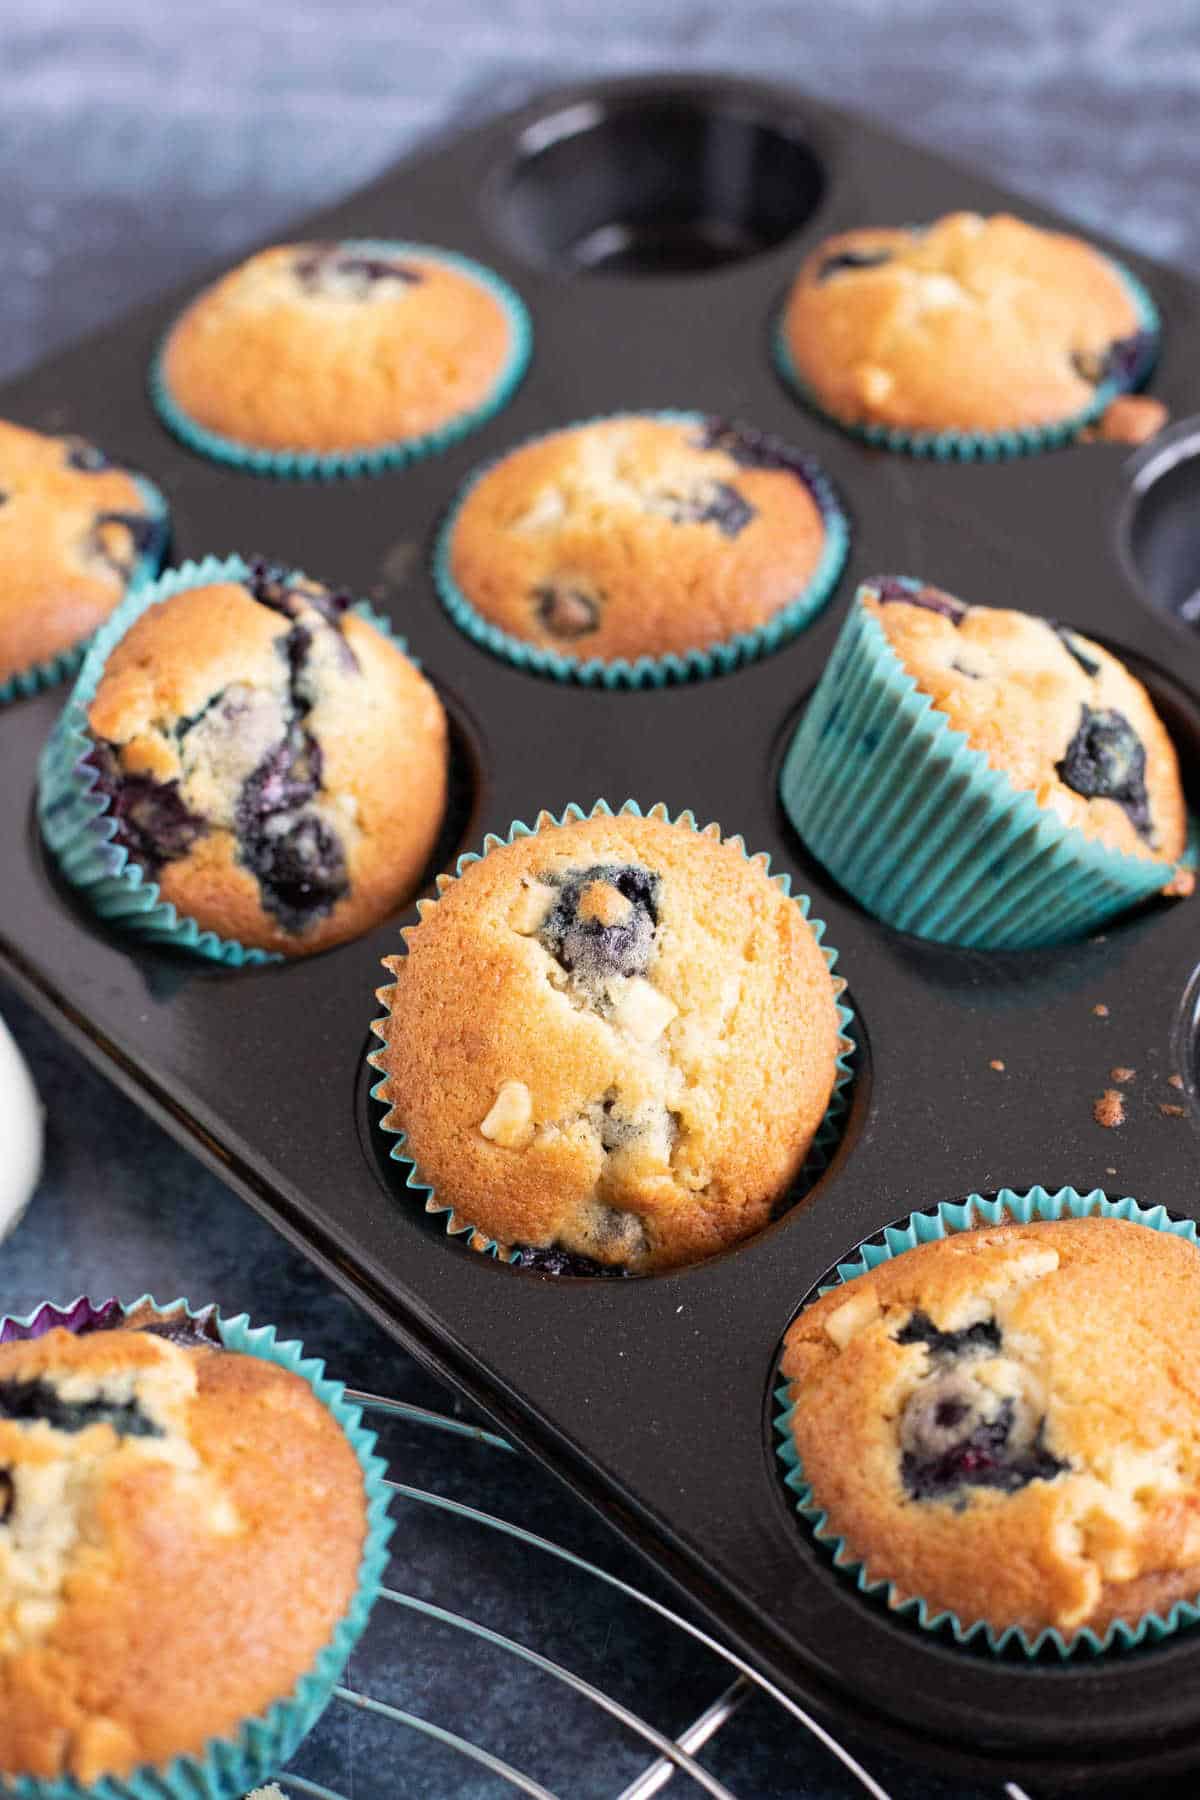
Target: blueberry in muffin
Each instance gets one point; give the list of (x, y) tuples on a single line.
[(271, 759), (339, 348), (967, 325), (1003, 1422), (161, 1499), (75, 531), (644, 535), (615, 1040)]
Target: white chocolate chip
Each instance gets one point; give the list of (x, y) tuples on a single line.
[(642, 1010), (874, 384), (941, 290), (853, 1316), (548, 508), (510, 1121), (531, 907)]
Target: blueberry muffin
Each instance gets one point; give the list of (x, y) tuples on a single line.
[(161, 1500), (1055, 712), (970, 324), (644, 535), (1005, 1422), (75, 530), (340, 347), (614, 1039), (272, 760)]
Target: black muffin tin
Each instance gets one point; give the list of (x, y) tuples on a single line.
[(652, 227)]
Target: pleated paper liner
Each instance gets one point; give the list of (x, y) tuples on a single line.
[(310, 465), (991, 446), (651, 671), (922, 1228), (260, 1746), (923, 831), (828, 1133), (76, 821), (146, 566)]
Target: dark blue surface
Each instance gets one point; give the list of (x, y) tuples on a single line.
[(140, 141)]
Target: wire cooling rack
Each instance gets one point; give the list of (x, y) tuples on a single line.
[(368, 1739)]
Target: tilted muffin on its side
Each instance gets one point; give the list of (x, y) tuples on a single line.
[(181, 1531), (644, 535), (1005, 1422), (1057, 713), (970, 324), (75, 529), (272, 760), (341, 347), (980, 776), (615, 1038)]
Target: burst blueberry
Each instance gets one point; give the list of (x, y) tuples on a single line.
[(87, 458), (578, 934), (920, 1329), (1074, 647), (890, 589), (324, 264), (565, 610), (711, 503), (844, 262), (39, 1402), (1106, 760), (154, 823)]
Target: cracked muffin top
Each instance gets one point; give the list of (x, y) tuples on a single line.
[(333, 347), (161, 1500), (969, 324), (1055, 712), (638, 536), (74, 529), (275, 763), (1006, 1422), (613, 1040)]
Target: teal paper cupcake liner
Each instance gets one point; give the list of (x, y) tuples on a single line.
[(828, 1133), (990, 446), (76, 821), (922, 1228), (229, 1766), (651, 671), (923, 831), (146, 566), (310, 465)]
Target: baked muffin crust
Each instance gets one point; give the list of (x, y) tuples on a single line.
[(969, 324), (616, 1037), (1054, 711), (638, 536), (1006, 1422), (327, 348), (276, 763), (180, 1531), (73, 527)]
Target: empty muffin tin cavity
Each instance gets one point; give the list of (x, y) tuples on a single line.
[(1160, 523), (669, 184)]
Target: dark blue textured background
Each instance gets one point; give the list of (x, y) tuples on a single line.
[(139, 140)]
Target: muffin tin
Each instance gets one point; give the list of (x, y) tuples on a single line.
[(652, 227)]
